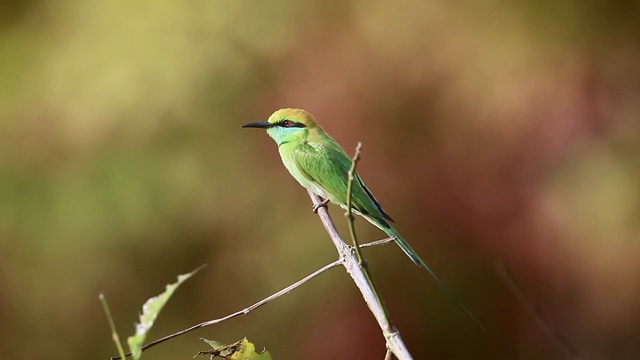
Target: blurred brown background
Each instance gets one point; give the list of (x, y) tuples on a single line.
[(502, 130)]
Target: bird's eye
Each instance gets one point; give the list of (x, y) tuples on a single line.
[(287, 123)]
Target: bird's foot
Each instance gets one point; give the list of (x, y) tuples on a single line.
[(319, 205)]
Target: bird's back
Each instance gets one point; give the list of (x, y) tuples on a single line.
[(321, 165)]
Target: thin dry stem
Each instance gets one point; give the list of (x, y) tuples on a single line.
[(243, 311), (536, 312), (352, 265)]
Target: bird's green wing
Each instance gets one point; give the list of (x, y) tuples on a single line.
[(327, 165)]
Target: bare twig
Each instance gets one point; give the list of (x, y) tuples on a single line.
[(243, 311), (389, 355), (378, 242), (350, 178), (352, 232), (114, 333), (352, 265), (536, 312), (254, 306)]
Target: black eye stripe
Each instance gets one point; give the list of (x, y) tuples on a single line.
[(290, 123)]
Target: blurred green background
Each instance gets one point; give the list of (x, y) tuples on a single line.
[(496, 130)]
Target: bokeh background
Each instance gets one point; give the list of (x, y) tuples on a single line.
[(494, 131)]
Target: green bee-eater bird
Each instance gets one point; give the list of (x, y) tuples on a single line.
[(319, 164)]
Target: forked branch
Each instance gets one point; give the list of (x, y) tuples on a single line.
[(356, 267)]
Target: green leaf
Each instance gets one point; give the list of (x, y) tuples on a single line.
[(150, 311), (240, 350), (214, 344), (247, 351)]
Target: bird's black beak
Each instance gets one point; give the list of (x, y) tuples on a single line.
[(260, 124)]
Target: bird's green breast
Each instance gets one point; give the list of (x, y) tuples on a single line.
[(287, 151)]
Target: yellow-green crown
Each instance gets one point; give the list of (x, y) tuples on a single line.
[(296, 115)]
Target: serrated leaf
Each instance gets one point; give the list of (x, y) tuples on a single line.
[(150, 311)]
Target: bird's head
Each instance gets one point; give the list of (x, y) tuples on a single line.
[(286, 125)]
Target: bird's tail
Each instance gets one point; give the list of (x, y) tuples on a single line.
[(412, 254), (404, 245)]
